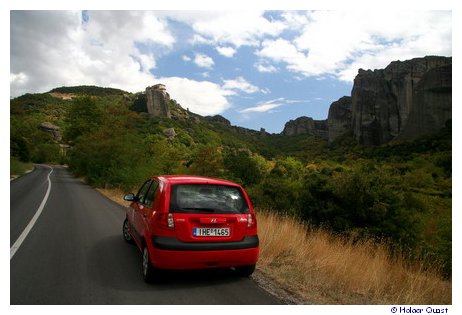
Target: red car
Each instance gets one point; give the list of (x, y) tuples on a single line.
[(191, 222)]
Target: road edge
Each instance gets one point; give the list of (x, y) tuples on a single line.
[(14, 248), (16, 176)]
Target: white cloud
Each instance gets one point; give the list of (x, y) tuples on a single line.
[(201, 97), (265, 68), (18, 79), (262, 108), (56, 48), (340, 42), (226, 51), (236, 28), (200, 40), (268, 106), (203, 61), (281, 50), (295, 19), (186, 58), (265, 106), (285, 52), (240, 84), (431, 35)]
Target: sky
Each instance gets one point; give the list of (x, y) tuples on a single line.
[(257, 68)]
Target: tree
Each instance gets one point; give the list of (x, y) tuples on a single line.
[(84, 116), (19, 148), (207, 161), (243, 166)]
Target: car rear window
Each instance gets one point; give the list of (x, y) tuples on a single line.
[(201, 198)]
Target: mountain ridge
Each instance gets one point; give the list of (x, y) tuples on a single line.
[(405, 100), (385, 104)]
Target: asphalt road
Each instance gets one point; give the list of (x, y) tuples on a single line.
[(75, 253)]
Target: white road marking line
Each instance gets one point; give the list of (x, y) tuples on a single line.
[(29, 226)]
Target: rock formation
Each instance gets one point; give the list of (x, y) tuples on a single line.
[(170, 133), (432, 104), (406, 99), (218, 119), (52, 129), (306, 126), (158, 100), (339, 119)]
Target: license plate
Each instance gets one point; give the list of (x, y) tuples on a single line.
[(210, 231)]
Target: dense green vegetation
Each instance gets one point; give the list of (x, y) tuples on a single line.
[(18, 168), (88, 90), (401, 192)]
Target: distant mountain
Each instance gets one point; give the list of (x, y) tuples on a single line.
[(406, 100), (306, 126)]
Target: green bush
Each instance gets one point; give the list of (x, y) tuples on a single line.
[(207, 160), (18, 168), (46, 153), (243, 167), (84, 117)]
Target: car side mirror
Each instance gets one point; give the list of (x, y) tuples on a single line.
[(130, 197)]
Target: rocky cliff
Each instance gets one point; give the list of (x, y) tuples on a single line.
[(405, 100), (157, 101), (339, 119), (432, 103), (306, 126)]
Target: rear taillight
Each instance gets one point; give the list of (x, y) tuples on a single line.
[(165, 220), (170, 222), (249, 220), (251, 224)]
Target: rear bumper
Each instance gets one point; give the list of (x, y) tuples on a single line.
[(199, 258), (172, 243)]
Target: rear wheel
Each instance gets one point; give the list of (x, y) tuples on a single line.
[(126, 232), (149, 273), (245, 271)]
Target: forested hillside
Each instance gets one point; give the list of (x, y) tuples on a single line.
[(399, 192)]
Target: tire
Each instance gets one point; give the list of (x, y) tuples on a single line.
[(126, 232), (245, 271), (150, 275)]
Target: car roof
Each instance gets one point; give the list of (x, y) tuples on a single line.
[(189, 179)]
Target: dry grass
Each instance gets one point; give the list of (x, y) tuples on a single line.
[(116, 195), (322, 268)]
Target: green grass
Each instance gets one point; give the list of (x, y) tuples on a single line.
[(18, 168)]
